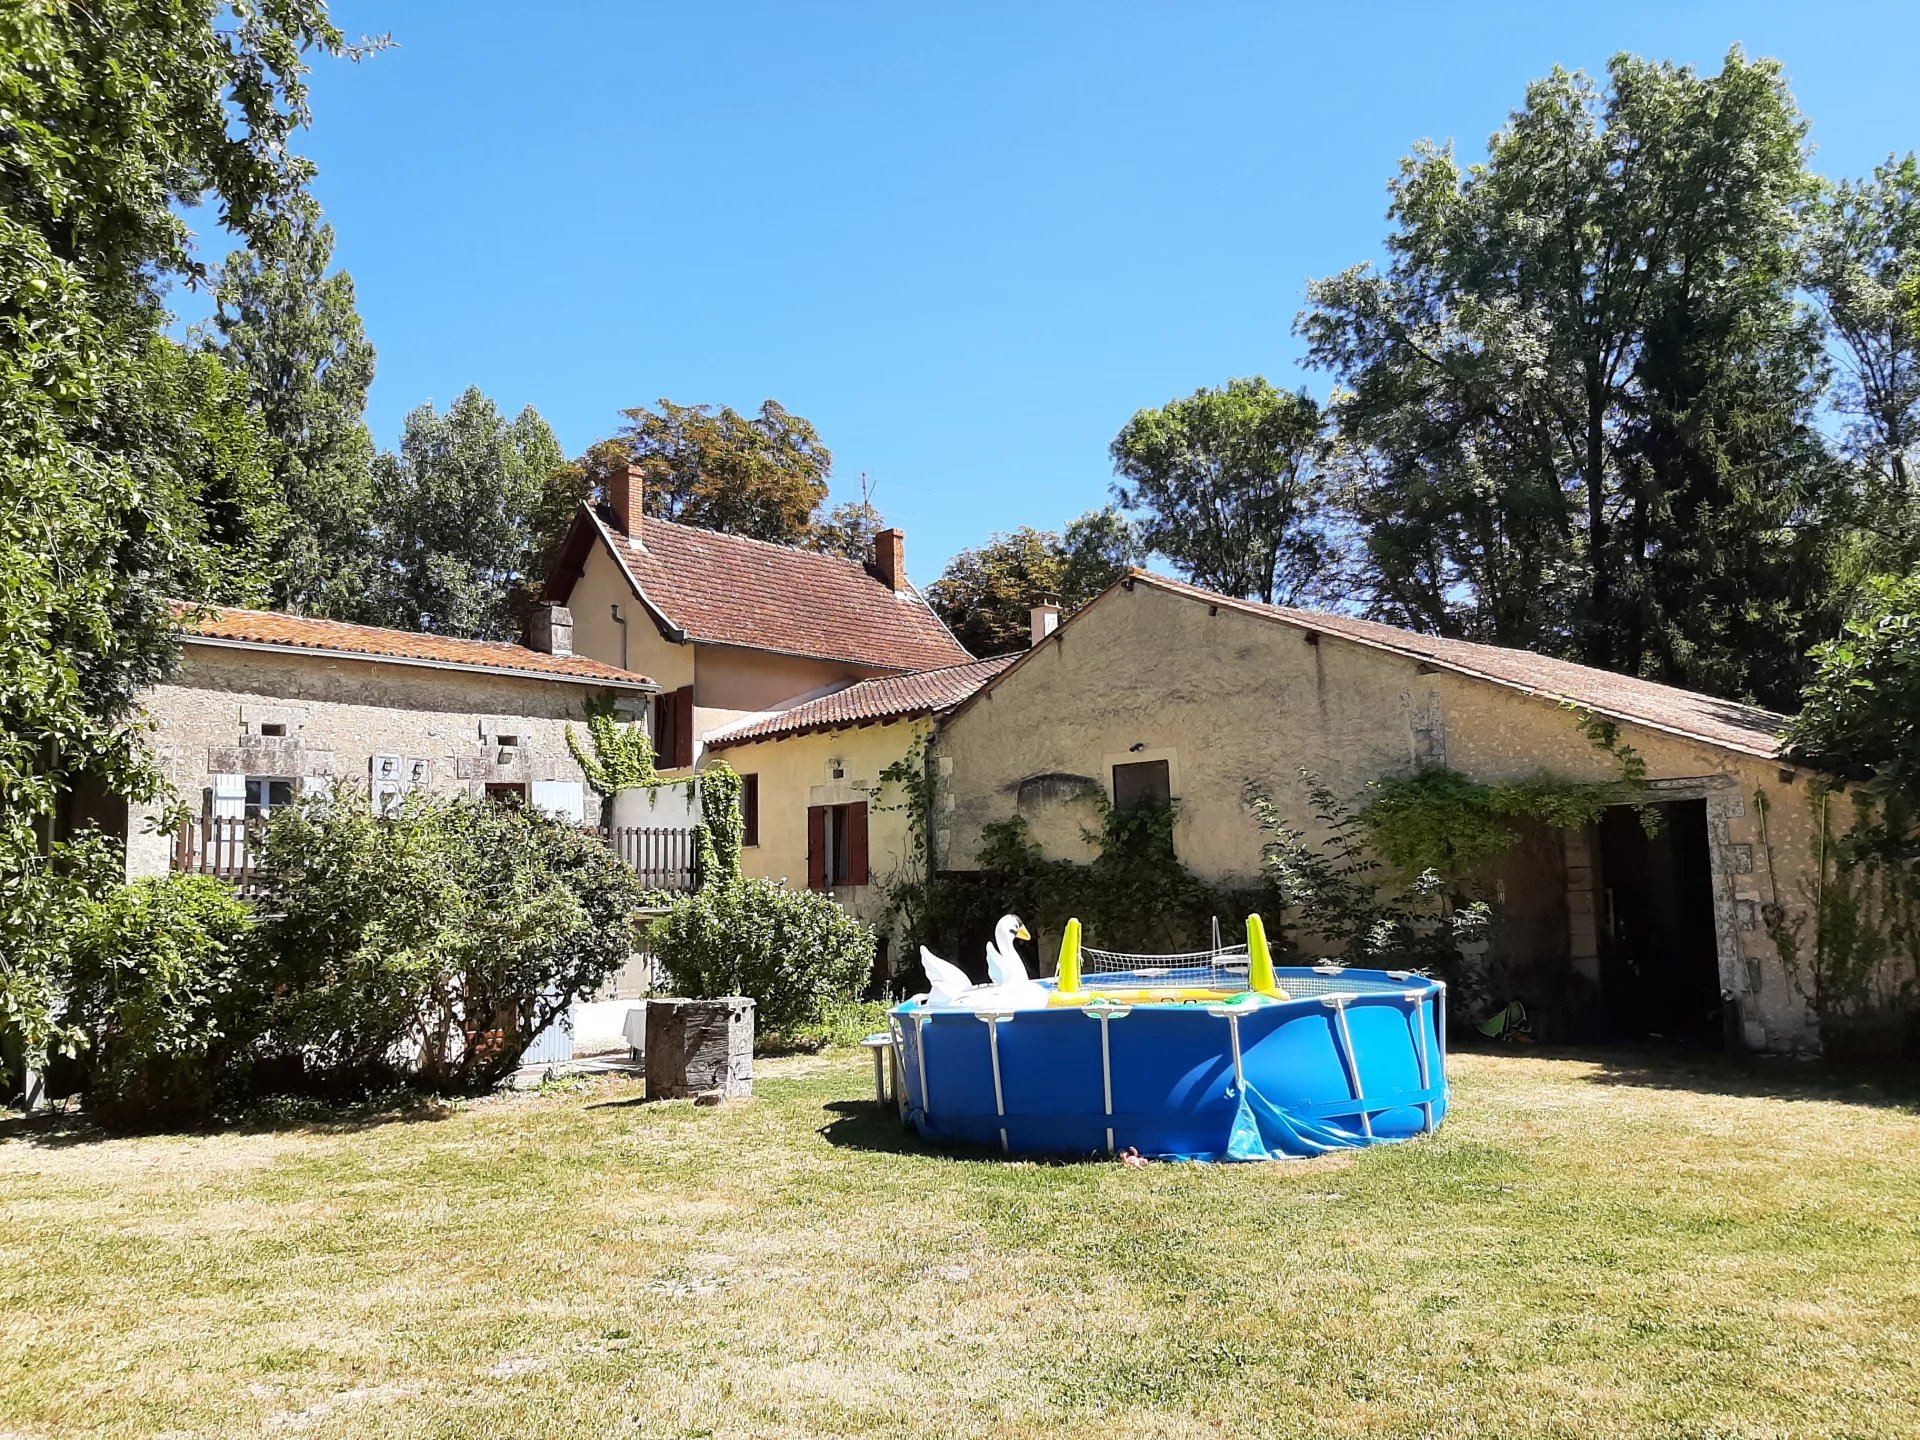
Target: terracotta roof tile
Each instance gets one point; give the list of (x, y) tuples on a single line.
[(887, 697), (217, 623), (1746, 728), (729, 590)]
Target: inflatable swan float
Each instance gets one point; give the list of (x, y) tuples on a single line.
[(1008, 988)]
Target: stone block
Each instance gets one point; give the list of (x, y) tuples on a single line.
[(699, 1047)]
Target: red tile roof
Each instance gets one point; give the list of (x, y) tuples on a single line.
[(729, 590), (1727, 723), (868, 702), (219, 624)]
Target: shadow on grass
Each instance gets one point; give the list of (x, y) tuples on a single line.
[(52, 1129), (1760, 1076), (865, 1126)]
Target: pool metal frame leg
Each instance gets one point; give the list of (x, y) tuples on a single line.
[(920, 1054), (1343, 1041), (1418, 1020), (993, 1020), (1106, 1013)]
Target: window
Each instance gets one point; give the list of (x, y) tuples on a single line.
[(273, 731), (749, 809), (266, 794), (836, 845), (507, 792), (673, 729), (1144, 782)]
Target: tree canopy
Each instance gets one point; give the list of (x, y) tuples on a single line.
[(455, 528), (708, 465), (986, 596), (1230, 488), (1580, 396), (116, 116), (292, 329)]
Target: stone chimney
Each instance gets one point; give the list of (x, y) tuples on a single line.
[(890, 558), (1043, 620), (550, 629), (626, 497)]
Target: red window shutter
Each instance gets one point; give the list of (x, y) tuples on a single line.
[(857, 844), (749, 809), (682, 728), (816, 847)]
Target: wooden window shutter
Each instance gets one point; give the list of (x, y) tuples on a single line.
[(857, 843), (816, 847), (749, 809), (682, 756)]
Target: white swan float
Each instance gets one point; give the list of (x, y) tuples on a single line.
[(1008, 988)]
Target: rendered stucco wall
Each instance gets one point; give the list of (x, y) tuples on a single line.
[(338, 713), (1226, 698), (597, 635), (797, 772)]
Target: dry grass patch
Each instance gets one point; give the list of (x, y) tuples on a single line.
[(1623, 1246)]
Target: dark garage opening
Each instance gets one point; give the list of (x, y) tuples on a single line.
[(1659, 963)]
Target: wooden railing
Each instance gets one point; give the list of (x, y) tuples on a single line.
[(661, 856), (230, 848)]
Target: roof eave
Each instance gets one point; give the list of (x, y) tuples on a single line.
[(637, 685)]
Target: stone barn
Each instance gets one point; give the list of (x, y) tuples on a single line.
[(1159, 690)]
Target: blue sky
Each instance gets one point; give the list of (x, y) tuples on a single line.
[(968, 242)]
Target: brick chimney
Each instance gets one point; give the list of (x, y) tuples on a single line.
[(890, 558), (626, 497), (550, 629), (1042, 621)]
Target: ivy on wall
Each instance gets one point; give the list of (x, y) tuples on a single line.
[(621, 757), (1853, 952), (722, 827)]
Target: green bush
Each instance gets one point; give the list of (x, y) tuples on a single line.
[(794, 951), (161, 996), (432, 945)]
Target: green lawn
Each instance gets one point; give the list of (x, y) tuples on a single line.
[(1616, 1246)]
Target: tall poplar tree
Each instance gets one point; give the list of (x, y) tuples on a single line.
[(290, 326)]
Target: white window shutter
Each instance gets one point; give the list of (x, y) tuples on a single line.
[(562, 799), (229, 797)]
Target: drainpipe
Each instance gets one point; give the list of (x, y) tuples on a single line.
[(621, 621)]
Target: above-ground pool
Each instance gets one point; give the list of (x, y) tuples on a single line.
[(1348, 1057)]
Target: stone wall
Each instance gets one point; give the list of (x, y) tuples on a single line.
[(322, 720), (1226, 697)]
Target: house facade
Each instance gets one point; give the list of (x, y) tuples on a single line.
[(264, 707), (1160, 690), (819, 811), (809, 673)]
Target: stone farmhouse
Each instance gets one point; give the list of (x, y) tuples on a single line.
[(812, 675), (1160, 689)]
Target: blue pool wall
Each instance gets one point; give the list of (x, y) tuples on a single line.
[(1172, 1075)]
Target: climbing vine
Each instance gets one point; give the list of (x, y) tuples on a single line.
[(906, 789), (722, 827), (1854, 952), (621, 757)]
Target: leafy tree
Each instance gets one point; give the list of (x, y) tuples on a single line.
[(563, 490), (1579, 398), (1861, 711), (115, 117), (293, 331), (455, 526), (1231, 486), (849, 527), (198, 445), (986, 596), (712, 467), (1862, 260), (1097, 549)]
